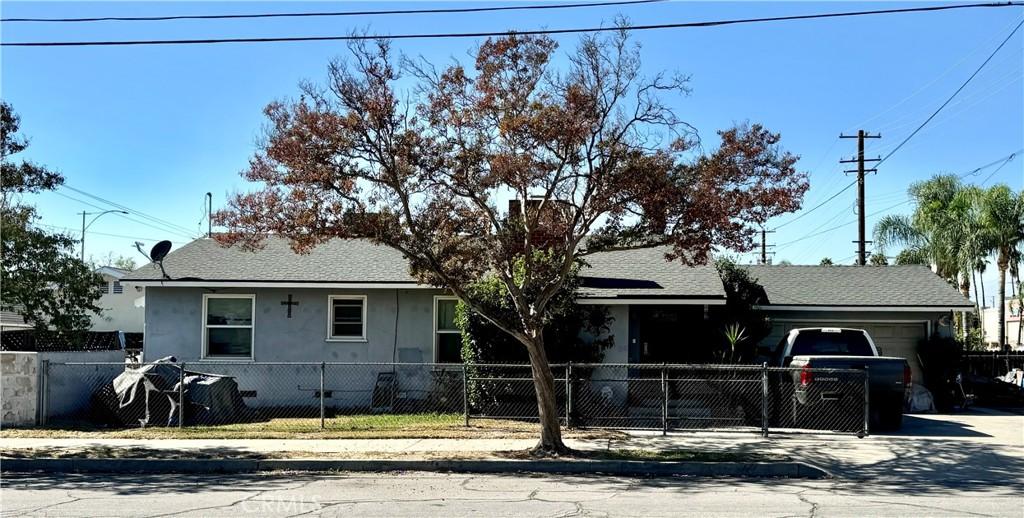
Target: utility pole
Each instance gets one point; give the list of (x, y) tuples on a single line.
[(764, 245), (862, 241)]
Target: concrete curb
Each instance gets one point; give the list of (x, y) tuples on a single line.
[(613, 467)]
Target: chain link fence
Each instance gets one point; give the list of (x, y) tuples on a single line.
[(312, 396)]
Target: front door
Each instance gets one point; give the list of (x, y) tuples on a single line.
[(665, 334)]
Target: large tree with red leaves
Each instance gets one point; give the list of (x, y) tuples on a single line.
[(602, 160)]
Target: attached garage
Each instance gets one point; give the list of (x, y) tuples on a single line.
[(892, 338), (899, 306)]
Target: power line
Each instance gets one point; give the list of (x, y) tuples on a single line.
[(993, 173), (76, 231), (924, 87), (976, 170), (1003, 161), (330, 13), (837, 227), (963, 104), (357, 37), (139, 222), (843, 212), (898, 146), (165, 223), (818, 206), (958, 90)]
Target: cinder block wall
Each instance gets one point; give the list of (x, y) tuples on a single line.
[(19, 379)]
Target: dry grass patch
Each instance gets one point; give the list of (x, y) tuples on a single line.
[(412, 426)]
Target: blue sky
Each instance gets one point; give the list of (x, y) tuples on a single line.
[(155, 128)]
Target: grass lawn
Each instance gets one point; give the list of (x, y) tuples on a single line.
[(366, 426)]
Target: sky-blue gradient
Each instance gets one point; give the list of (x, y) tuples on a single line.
[(155, 128)]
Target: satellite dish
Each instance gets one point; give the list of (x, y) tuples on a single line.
[(160, 251)]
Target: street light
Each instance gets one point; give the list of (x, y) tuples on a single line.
[(93, 220)]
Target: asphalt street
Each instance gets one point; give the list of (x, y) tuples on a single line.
[(446, 495)]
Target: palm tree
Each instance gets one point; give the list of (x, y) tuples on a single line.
[(934, 232), (943, 231), (1001, 219)]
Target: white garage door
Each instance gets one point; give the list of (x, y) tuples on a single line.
[(893, 339)]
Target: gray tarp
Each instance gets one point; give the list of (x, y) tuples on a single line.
[(148, 396)]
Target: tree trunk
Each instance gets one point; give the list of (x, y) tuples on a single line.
[(1020, 305), (965, 290), (1002, 303), (965, 284), (977, 301), (981, 284), (547, 405)]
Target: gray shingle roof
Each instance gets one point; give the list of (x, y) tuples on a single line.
[(910, 285), (335, 261), (621, 274), (634, 273), (646, 274)]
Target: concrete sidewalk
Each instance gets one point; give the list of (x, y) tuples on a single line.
[(975, 446)]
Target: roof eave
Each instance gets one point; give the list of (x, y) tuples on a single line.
[(165, 283), (647, 301), (866, 307)]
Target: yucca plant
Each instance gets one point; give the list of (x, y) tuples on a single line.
[(734, 335)]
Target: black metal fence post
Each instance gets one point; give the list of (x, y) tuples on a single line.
[(867, 404), (664, 400), (764, 399), (43, 401), (181, 395), (322, 366), (465, 394), (568, 395)]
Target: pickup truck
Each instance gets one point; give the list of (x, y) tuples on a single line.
[(809, 349)]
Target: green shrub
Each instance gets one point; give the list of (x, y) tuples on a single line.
[(743, 295), (572, 333)]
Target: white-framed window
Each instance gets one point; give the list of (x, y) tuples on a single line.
[(118, 289), (104, 287), (447, 336), (346, 318), (228, 325)]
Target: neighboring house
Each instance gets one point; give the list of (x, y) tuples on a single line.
[(899, 306), (123, 308), (11, 319), (990, 325)]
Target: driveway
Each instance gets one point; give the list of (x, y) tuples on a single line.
[(981, 448)]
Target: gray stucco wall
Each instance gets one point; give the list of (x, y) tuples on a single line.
[(399, 327), (174, 325), (174, 328)]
